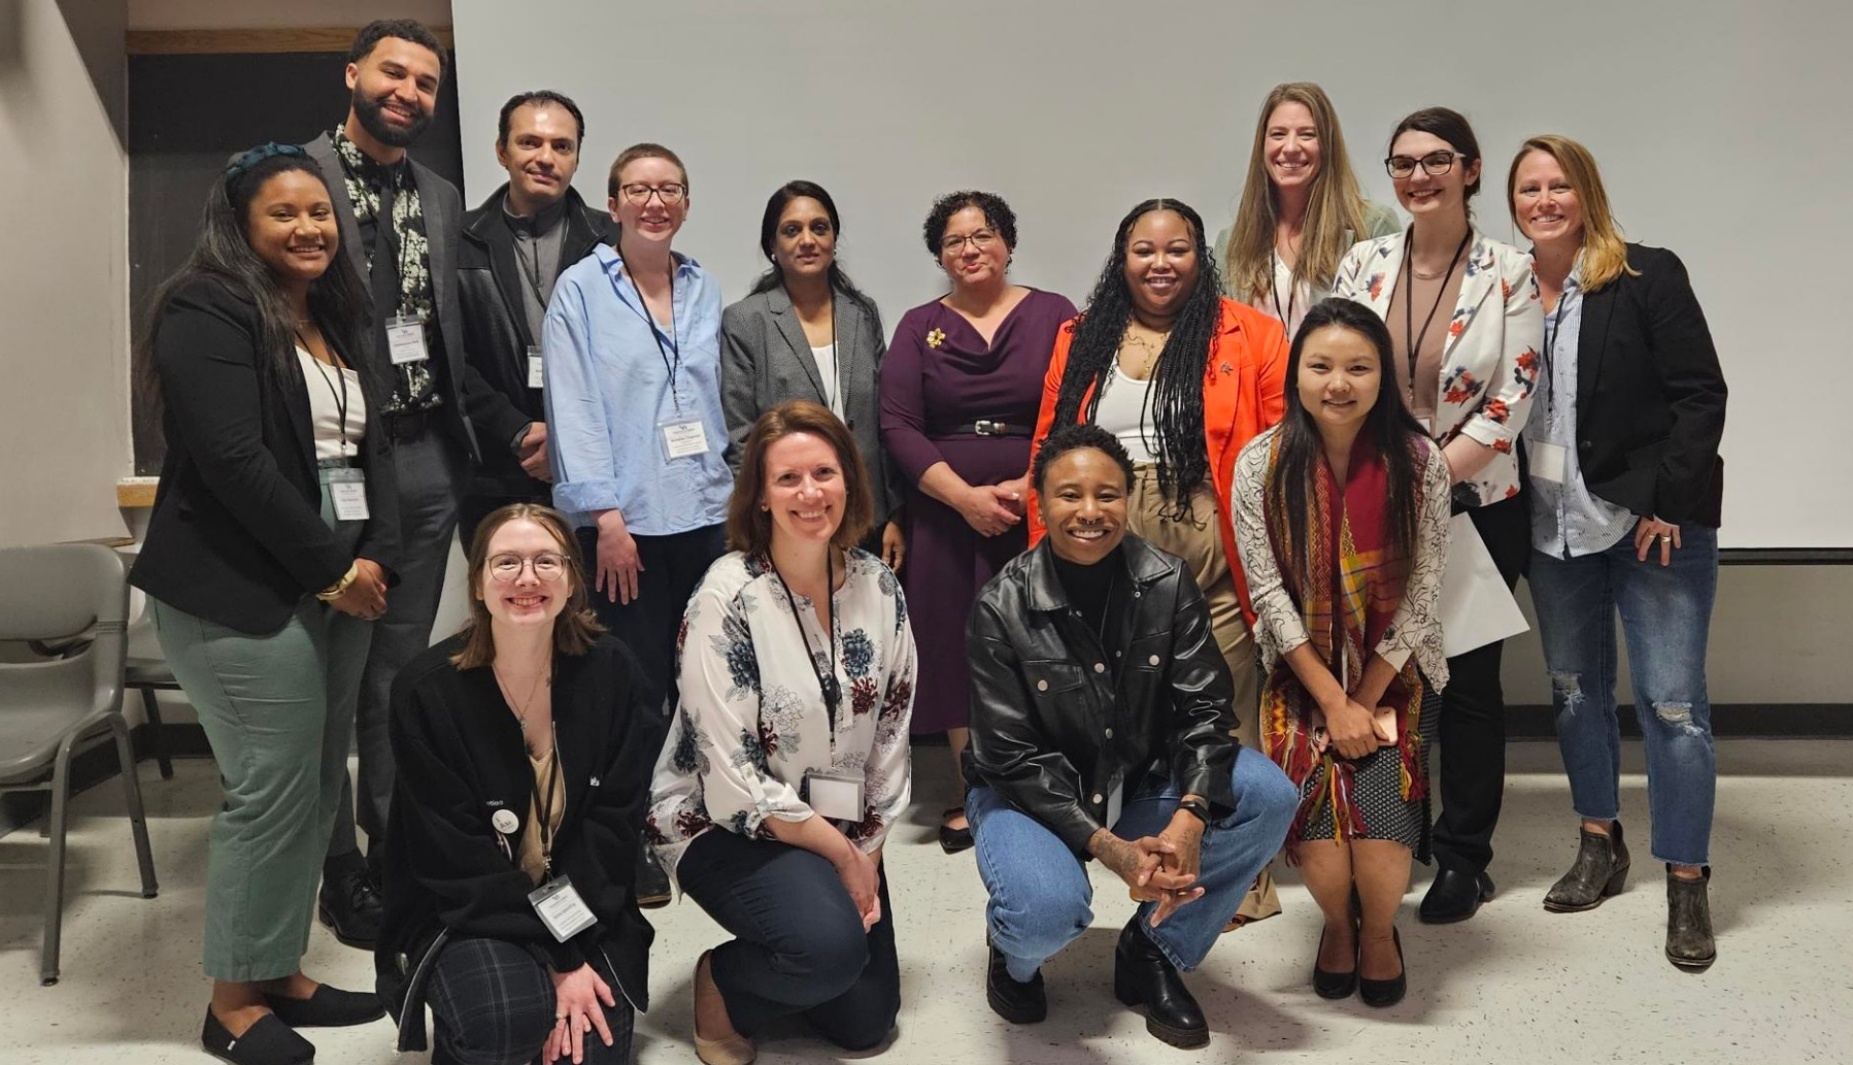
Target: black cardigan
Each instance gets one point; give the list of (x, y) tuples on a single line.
[(237, 535), (460, 759), (1650, 395)]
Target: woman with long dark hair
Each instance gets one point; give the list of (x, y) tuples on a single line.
[(1633, 372), (268, 554), (807, 332), (1182, 377), (1342, 515), (1465, 327)]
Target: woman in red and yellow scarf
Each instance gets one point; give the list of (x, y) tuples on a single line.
[(1341, 516)]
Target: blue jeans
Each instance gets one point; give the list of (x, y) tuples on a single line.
[(1040, 895), (1666, 618)]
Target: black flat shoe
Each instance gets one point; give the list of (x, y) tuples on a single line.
[(1328, 984), (268, 1042), (349, 905), (1144, 977), (1017, 1003), (1454, 896), (653, 889), (1381, 993), (953, 840), (1599, 872), (329, 1007), (1689, 942)]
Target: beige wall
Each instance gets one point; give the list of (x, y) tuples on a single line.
[(273, 14), (64, 182)]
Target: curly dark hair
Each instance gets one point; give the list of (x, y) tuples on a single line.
[(1075, 438), (997, 215), (404, 29), (538, 97), (1177, 380)]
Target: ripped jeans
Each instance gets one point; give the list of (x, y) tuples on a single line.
[(1666, 618)]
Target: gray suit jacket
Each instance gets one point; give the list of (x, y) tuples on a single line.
[(766, 360), (443, 209)]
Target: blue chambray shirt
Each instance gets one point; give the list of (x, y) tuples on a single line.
[(1566, 521), (608, 395)]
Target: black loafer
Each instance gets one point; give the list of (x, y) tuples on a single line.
[(329, 1007), (268, 1042), (953, 840), (1015, 1002), (349, 905), (1328, 984), (1381, 993), (1144, 977), (653, 889), (1454, 896)]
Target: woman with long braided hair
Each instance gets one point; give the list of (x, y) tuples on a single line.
[(1183, 378)]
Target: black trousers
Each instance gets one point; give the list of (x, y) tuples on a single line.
[(474, 507), (492, 1004), (1473, 713), (672, 568), (799, 947)]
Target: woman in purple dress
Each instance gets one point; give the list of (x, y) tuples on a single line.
[(959, 394)]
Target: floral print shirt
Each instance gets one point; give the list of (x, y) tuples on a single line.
[(367, 182), (752, 723)]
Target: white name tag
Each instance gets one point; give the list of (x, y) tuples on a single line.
[(561, 909), (837, 796), (347, 490), (405, 339), (536, 378), (684, 439), (1548, 462)]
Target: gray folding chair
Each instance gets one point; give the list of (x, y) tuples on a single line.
[(52, 710)]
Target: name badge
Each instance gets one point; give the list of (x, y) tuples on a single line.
[(405, 339), (536, 378), (347, 490), (684, 439), (837, 796), (560, 908), (1548, 461)]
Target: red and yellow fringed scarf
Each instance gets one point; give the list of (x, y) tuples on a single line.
[(1348, 593)]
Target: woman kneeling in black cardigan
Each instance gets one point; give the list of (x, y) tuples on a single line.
[(523, 760)]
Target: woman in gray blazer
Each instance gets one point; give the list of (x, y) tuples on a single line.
[(806, 332)]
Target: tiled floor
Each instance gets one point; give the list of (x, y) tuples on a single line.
[(1515, 984)]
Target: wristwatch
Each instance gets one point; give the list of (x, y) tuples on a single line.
[(1198, 807)]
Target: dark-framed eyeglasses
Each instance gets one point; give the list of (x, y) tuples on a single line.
[(548, 567), (1434, 164), (979, 241), (671, 193)]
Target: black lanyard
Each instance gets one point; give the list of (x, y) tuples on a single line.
[(826, 682), (543, 805), (340, 397), (1415, 344)]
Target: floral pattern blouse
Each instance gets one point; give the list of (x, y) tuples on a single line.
[(752, 723), (1416, 627)]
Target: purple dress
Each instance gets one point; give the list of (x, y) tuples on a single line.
[(926, 391)]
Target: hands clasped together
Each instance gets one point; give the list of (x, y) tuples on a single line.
[(1162, 868)]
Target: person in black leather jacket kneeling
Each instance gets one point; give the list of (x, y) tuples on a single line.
[(1102, 728)]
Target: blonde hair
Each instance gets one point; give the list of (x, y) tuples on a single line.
[(1605, 254), (1334, 207)]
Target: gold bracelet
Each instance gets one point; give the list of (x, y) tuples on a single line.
[(335, 590)]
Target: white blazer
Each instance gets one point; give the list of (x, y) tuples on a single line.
[(1489, 362)]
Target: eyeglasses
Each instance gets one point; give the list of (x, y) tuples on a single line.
[(507, 568), (1435, 163), (639, 195), (979, 241)]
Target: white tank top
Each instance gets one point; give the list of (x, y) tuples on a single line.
[(1125, 411), (325, 385)]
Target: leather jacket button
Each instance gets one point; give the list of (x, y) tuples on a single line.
[(1154, 660), (1109, 734), (1098, 799), (1100, 667), (1042, 685)]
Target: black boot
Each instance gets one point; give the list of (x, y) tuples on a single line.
[(1600, 870), (349, 904), (652, 882), (1143, 976), (1014, 1002), (1454, 896), (1689, 942)]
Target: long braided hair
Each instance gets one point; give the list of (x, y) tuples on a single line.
[(1177, 379)]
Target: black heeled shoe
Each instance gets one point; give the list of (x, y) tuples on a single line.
[(1454, 896), (1690, 945), (953, 840), (1381, 993), (1018, 1003), (1328, 984), (1600, 871), (1143, 976)]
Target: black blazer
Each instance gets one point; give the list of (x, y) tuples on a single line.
[(495, 328), (237, 535), (1650, 395), (1050, 729), (460, 758)]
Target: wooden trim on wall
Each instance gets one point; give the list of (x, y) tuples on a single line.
[(251, 42)]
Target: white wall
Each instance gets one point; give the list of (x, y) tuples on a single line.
[(278, 14)]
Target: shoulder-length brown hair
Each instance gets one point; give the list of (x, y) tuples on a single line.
[(1605, 254), (749, 522), (575, 628)]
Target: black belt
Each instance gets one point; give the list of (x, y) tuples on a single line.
[(408, 424), (987, 427)]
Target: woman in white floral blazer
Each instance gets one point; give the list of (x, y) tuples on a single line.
[(787, 761), (1469, 376)]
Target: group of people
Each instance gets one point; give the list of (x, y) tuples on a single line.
[(1194, 535)]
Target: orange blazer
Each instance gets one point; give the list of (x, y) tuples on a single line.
[(1243, 393)]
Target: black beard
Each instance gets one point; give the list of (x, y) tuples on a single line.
[(373, 119)]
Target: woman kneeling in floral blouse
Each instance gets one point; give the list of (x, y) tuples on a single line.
[(787, 761)]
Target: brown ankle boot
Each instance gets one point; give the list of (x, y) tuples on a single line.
[(1689, 943)]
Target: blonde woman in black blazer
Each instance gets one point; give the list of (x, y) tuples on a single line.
[(807, 332)]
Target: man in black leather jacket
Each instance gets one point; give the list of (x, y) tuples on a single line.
[(1095, 677)]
